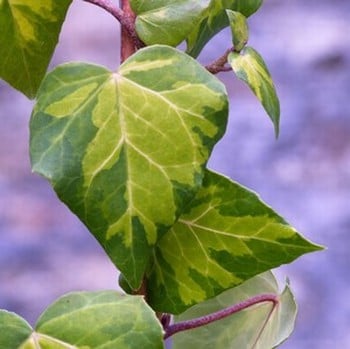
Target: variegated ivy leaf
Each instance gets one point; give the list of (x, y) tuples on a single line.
[(226, 236), (29, 33), (239, 29), (250, 67), (80, 320), (260, 327), (167, 22), (215, 19), (125, 151)]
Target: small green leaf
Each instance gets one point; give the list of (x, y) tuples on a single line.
[(167, 22), (215, 19), (250, 67), (29, 34), (126, 150), (239, 29), (254, 328), (227, 236), (13, 330)]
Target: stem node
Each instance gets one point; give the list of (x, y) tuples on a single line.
[(219, 65)]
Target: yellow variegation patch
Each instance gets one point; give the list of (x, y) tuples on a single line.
[(70, 103), (38, 341)]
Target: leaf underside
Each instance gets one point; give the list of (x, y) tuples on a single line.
[(227, 236), (253, 328), (29, 34), (126, 150)]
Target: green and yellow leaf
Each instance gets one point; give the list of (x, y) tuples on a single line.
[(239, 29), (215, 19), (226, 237), (259, 327), (250, 67), (167, 22), (29, 34), (126, 150)]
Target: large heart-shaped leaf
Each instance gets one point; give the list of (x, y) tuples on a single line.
[(250, 67), (167, 22), (215, 19), (227, 236), (29, 33), (125, 151), (260, 327), (95, 320)]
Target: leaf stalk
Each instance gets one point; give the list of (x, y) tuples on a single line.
[(219, 65), (170, 330)]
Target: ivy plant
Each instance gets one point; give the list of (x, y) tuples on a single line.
[(126, 151)]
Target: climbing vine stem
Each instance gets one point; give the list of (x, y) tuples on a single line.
[(126, 18), (110, 7)]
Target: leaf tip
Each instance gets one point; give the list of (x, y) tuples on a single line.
[(277, 130)]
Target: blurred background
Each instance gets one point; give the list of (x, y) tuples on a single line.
[(305, 175)]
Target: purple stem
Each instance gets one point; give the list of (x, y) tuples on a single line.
[(207, 319), (109, 7), (219, 65)]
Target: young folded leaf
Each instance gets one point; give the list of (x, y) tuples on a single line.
[(128, 165), (239, 29), (226, 236), (29, 34), (250, 67), (215, 19), (260, 327)]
